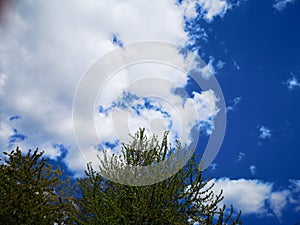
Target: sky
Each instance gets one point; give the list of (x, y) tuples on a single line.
[(251, 47)]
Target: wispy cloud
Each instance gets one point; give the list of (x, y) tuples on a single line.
[(220, 64), (233, 104), (295, 189), (208, 70), (295, 185), (280, 5), (241, 156), (236, 65), (264, 132), (292, 83), (213, 166), (252, 169)]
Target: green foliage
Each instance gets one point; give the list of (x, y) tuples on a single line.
[(184, 198), (32, 191)]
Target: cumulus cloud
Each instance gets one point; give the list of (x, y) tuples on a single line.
[(246, 195), (264, 132), (177, 115), (280, 5), (257, 196), (45, 50)]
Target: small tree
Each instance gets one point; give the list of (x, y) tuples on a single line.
[(184, 198), (31, 190)]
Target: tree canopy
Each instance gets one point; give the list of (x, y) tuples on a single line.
[(33, 191), (184, 198)]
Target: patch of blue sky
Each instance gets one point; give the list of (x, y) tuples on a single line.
[(196, 30), (206, 127), (108, 145), (60, 161), (15, 138), (133, 102), (101, 109), (149, 104), (117, 41), (16, 117), (170, 125), (125, 102), (233, 104), (62, 148), (179, 2), (176, 136)]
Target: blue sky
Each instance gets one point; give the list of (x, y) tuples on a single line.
[(263, 127), (251, 46)]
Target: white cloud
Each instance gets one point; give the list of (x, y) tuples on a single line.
[(295, 190), (278, 201), (233, 104), (3, 78), (213, 8), (6, 130), (189, 8), (209, 8), (208, 70), (236, 65), (252, 169), (247, 195), (264, 132), (220, 64), (45, 50), (292, 83), (295, 185), (213, 166), (182, 115), (241, 156), (280, 5), (257, 196)]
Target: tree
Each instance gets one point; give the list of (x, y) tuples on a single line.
[(31, 190), (184, 198)]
